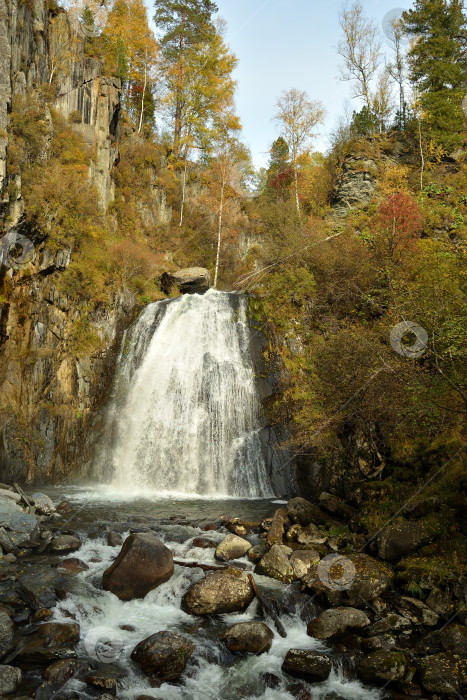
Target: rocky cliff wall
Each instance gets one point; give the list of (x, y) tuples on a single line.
[(50, 388)]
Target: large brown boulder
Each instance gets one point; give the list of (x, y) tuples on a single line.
[(276, 564), (399, 539), (164, 655), (348, 580), (444, 674), (303, 512), (336, 622), (232, 547), (190, 280), (309, 665), (143, 563), (220, 592), (254, 637), (51, 641), (382, 666)]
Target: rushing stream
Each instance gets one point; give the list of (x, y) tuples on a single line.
[(181, 448), (110, 628)]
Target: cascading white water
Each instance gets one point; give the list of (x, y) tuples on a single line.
[(186, 415)]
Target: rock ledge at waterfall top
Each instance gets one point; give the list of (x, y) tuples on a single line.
[(191, 280)]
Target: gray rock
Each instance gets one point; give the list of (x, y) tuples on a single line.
[(255, 553), (420, 508), (59, 672), (164, 655), (64, 544), (349, 580), (6, 493), (10, 678), (6, 632), (453, 638), (391, 623), (309, 665), (220, 592), (276, 564), (302, 559), (51, 641), (232, 547), (303, 512), (402, 538), (22, 528), (44, 505), (382, 666), (144, 563), (440, 602), (114, 539), (40, 586), (336, 622), (105, 680), (443, 673), (253, 637), (311, 535), (416, 611), (189, 280)]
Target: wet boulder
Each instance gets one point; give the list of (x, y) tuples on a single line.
[(114, 539), (309, 665), (232, 547), (402, 538), (279, 523), (303, 512), (40, 586), (164, 655), (74, 565), (64, 544), (382, 666), (22, 528), (105, 680), (190, 280), (255, 553), (43, 504), (336, 622), (253, 637), (10, 678), (51, 641), (416, 611), (276, 564), (7, 629), (143, 563), (220, 592), (444, 674), (310, 535), (59, 672), (302, 559), (348, 580)]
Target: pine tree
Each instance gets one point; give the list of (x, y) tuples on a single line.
[(185, 24), (438, 65)]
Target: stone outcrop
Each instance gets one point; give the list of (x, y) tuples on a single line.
[(192, 280)]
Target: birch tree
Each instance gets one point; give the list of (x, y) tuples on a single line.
[(297, 117), (360, 48)]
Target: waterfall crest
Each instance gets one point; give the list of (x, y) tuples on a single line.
[(185, 415)]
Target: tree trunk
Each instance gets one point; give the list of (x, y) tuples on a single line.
[(178, 96), (219, 230), (297, 201), (144, 92), (183, 196)]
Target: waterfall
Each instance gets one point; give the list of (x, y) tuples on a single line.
[(185, 415)]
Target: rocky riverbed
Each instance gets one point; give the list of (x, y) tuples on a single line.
[(292, 603)]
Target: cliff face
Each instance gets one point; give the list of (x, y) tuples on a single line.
[(48, 389)]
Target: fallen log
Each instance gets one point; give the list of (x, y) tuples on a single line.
[(210, 567), (267, 607)]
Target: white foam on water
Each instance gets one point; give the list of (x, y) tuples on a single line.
[(186, 417)]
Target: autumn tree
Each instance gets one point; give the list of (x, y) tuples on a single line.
[(361, 50), (399, 223), (397, 68), (297, 117), (185, 25), (130, 50), (279, 172), (438, 64)]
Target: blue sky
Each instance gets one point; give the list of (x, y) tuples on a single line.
[(283, 44)]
